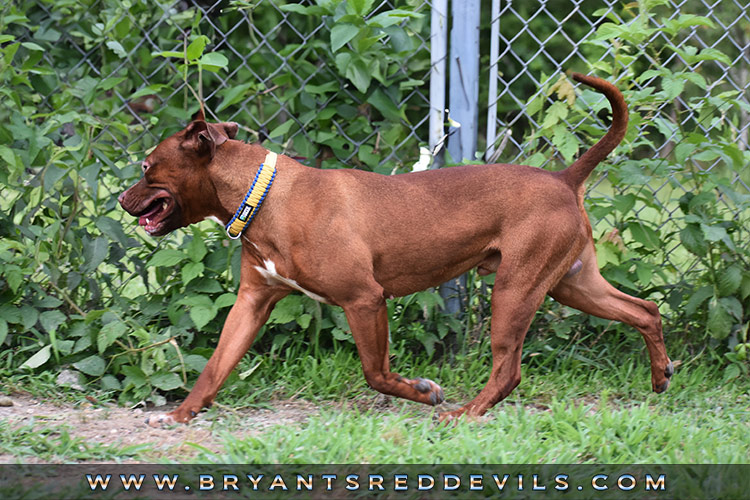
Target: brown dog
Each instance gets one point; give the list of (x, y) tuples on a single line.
[(354, 238)]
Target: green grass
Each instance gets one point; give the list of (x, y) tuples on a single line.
[(579, 416), (576, 404), (53, 443)]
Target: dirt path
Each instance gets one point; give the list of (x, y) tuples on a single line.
[(113, 425)]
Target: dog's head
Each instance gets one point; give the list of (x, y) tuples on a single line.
[(174, 190)]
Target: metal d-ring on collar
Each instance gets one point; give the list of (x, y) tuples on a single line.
[(254, 198)]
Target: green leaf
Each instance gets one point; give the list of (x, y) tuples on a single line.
[(714, 55), (565, 142), (117, 48), (52, 175), (110, 383), (196, 47), (730, 280), (287, 310), (691, 238), (535, 104), (391, 18), (148, 90), (341, 335), (386, 106), (109, 334), (624, 203), (191, 270), (282, 129), (359, 7), (50, 320), (312, 10), (213, 61), (109, 84), (33, 46), (196, 362), (197, 246), (304, 321), (644, 272), (323, 89), (112, 229), (607, 253), (134, 376), (94, 253), (166, 381), (93, 365), (167, 257), (673, 26), (233, 95), (697, 299), (359, 75), (3, 331), (202, 315), (8, 155), (713, 232), (719, 320), (38, 359), (732, 306), (29, 316), (225, 300), (557, 112), (169, 53), (341, 34), (731, 372), (644, 235)]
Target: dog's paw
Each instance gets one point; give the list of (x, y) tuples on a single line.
[(427, 386), (449, 417), (161, 420), (662, 385)]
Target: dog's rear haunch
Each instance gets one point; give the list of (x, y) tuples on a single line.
[(353, 238)]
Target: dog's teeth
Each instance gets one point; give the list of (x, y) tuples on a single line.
[(164, 205), (148, 221)]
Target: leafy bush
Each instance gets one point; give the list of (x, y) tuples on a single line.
[(686, 247), (89, 86), (85, 92)]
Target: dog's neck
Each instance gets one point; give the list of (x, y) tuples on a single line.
[(232, 172)]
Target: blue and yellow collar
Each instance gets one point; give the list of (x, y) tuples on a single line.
[(254, 198)]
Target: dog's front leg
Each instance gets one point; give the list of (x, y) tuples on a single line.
[(368, 319), (249, 313)]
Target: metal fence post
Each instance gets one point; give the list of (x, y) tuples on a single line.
[(438, 57), (464, 108), (492, 99)]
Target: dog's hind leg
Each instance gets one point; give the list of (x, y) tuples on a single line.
[(514, 302), (368, 320), (589, 292)]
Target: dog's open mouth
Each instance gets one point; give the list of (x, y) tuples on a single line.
[(153, 218)]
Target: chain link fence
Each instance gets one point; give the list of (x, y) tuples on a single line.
[(366, 103), (534, 42)]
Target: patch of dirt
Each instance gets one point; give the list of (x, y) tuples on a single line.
[(118, 426)]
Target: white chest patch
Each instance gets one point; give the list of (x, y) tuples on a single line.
[(274, 278)]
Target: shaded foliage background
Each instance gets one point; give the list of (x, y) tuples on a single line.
[(89, 86)]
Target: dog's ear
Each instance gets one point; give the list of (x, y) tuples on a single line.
[(230, 128), (199, 116), (201, 138), (204, 138)]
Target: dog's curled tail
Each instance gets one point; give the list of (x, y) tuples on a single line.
[(577, 173)]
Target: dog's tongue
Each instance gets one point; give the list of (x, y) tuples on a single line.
[(144, 219)]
